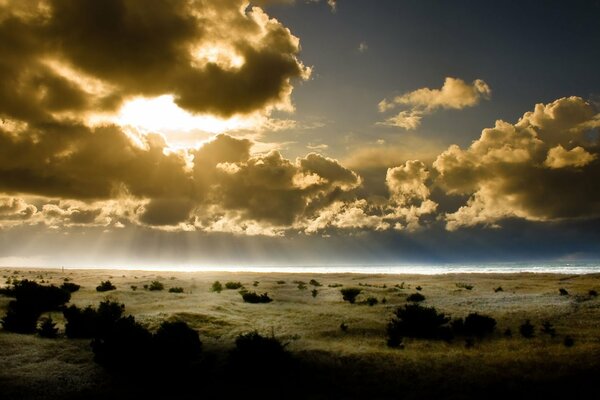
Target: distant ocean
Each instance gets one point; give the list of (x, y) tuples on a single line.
[(571, 267)]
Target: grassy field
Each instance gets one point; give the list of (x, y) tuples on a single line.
[(357, 360)]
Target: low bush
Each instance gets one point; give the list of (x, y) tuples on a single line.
[(462, 285), (255, 283), (335, 285), (569, 341), (216, 287), (176, 290), (281, 282), (415, 297), (89, 322), (301, 286), (233, 285), (48, 329), (176, 345), (133, 287), (70, 287), (416, 321), (156, 286), (419, 288), (371, 301), (314, 292), (593, 293), (527, 329), (548, 329), (344, 327), (350, 294), (254, 354), (474, 325), (498, 289), (314, 282), (105, 286), (563, 292), (253, 297)]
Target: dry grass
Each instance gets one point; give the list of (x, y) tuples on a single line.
[(312, 325)]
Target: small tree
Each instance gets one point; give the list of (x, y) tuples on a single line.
[(156, 286), (350, 294), (253, 297), (233, 285), (416, 321)]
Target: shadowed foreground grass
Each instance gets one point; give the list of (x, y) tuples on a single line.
[(325, 361)]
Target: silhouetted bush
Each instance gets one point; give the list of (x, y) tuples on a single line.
[(462, 285), (417, 321), (474, 325), (527, 329), (253, 297), (156, 286), (176, 290), (498, 289), (548, 329), (314, 282), (344, 327), (176, 344), (508, 332), (48, 329), (371, 301), (31, 300), (127, 346), (314, 292), (233, 285), (216, 287), (593, 293), (419, 288), (89, 322), (563, 292), (335, 285), (105, 286), (255, 353), (281, 282), (70, 287), (133, 287), (350, 294), (255, 283), (569, 341), (302, 286), (415, 297)]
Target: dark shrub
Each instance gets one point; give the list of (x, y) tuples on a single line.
[(252, 350), (105, 286), (89, 322), (563, 292), (462, 285), (419, 288), (255, 283), (474, 325), (416, 321), (233, 285), (31, 301), (301, 286), (253, 297), (176, 344), (281, 282), (498, 289), (344, 327), (335, 285), (314, 292), (548, 329), (314, 282), (48, 329), (70, 287), (508, 332), (569, 341), (127, 346), (527, 330), (133, 287), (350, 294), (593, 293), (216, 287), (371, 301), (156, 286), (20, 317), (176, 290), (415, 297)]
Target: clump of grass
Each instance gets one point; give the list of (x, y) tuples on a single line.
[(105, 286), (527, 330), (253, 297), (156, 286), (233, 285), (462, 285), (350, 294), (176, 290), (314, 282), (216, 287), (415, 298)]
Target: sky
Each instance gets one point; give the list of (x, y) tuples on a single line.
[(277, 132)]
